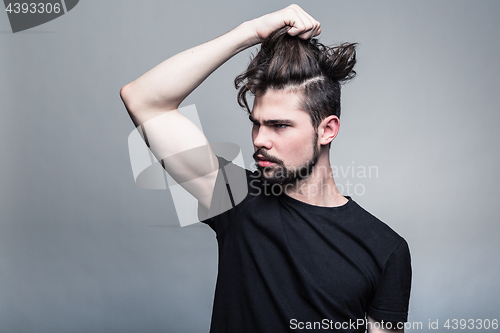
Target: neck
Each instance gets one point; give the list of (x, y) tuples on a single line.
[(319, 188)]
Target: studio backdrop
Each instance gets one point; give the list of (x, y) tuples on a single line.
[(83, 248)]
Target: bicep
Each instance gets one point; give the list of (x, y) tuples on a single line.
[(183, 151)]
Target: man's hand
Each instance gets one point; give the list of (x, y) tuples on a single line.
[(301, 23)]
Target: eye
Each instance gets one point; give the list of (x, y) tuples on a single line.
[(281, 126)]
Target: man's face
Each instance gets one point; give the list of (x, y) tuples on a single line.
[(284, 140)]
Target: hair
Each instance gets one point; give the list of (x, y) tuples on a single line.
[(286, 62)]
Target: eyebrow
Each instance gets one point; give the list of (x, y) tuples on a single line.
[(271, 121)]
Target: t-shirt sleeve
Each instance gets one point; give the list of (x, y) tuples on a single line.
[(390, 302)]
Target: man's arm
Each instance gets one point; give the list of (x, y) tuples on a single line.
[(374, 326), (152, 99)]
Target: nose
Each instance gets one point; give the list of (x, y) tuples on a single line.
[(261, 137)]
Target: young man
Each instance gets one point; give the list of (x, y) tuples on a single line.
[(302, 257)]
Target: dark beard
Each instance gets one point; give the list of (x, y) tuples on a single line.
[(281, 174)]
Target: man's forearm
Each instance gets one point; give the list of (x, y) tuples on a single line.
[(165, 86)]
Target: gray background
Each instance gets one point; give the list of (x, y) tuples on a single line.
[(83, 249)]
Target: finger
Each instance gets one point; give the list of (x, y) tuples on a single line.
[(318, 31), (315, 31), (316, 25), (297, 26), (312, 26), (305, 19), (309, 25), (309, 32)]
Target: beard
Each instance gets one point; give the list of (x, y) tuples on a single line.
[(279, 174)]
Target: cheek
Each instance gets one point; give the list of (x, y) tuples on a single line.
[(295, 149), (299, 148)]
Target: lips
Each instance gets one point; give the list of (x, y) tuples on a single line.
[(263, 160), (265, 163)]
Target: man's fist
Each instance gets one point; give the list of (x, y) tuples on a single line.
[(301, 23)]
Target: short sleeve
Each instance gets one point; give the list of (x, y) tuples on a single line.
[(390, 302)]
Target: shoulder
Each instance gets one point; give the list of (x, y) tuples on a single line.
[(371, 222), (377, 234)]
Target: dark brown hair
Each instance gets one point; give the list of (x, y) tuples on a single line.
[(315, 70)]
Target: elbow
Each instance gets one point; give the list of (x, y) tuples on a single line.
[(127, 95), (132, 100), (124, 92), (141, 104)]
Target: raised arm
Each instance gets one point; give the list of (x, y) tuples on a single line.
[(152, 99)]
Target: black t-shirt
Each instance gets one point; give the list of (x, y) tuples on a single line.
[(286, 265)]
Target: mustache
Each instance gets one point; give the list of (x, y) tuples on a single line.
[(268, 157)]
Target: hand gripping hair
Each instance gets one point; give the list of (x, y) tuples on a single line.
[(305, 66)]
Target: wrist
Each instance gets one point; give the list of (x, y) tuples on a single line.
[(248, 33)]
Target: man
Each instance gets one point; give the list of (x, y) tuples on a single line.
[(294, 253)]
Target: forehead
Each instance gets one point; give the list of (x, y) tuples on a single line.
[(279, 104)]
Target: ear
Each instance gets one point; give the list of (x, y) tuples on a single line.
[(328, 129)]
